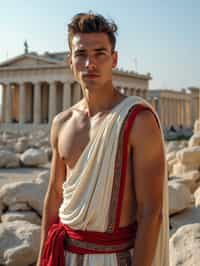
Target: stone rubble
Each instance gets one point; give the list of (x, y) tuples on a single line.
[(21, 202)]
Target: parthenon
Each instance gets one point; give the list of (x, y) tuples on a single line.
[(37, 87), (176, 108)]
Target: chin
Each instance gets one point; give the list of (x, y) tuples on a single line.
[(91, 85)]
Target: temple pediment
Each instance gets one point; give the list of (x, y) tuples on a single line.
[(29, 60)]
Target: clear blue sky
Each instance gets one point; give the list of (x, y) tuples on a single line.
[(160, 37)]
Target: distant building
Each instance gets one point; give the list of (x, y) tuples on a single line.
[(176, 108), (37, 87)]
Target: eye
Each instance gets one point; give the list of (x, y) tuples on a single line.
[(100, 53), (79, 55)]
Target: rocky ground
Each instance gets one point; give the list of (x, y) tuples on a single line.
[(24, 174)]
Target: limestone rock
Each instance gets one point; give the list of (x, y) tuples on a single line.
[(189, 156), (30, 192), (48, 152), (188, 216), (34, 157), (170, 165), (8, 159), (19, 243), (2, 206), (29, 216), (194, 140), (185, 246), (21, 145), (172, 146), (10, 143), (179, 197), (43, 178), (191, 179), (171, 155), (180, 169), (197, 197), (19, 206)]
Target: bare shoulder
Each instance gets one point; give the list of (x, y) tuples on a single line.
[(60, 120), (148, 163), (145, 128), (57, 123)]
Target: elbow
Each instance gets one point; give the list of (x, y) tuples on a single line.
[(152, 216)]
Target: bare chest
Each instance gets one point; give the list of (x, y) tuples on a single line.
[(75, 136)]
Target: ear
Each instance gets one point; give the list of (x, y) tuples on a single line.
[(115, 59)]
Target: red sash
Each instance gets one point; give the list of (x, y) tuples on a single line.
[(61, 237)]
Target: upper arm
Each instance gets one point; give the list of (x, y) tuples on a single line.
[(148, 163), (58, 168)]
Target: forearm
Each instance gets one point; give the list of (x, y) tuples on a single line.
[(146, 240), (50, 215)]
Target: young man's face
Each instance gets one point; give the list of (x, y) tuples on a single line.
[(92, 60)]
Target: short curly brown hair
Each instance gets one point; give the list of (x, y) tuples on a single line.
[(92, 23)]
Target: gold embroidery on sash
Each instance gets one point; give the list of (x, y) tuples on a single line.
[(97, 247)]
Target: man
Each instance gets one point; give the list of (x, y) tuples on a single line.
[(106, 202)]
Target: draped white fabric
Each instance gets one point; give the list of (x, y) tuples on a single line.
[(87, 192)]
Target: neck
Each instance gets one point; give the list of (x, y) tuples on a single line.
[(101, 100)]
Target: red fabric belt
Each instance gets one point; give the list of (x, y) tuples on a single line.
[(61, 237)]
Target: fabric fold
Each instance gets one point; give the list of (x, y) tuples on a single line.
[(85, 212)]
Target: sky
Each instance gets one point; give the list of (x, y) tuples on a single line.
[(160, 37)]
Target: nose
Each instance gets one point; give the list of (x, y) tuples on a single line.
[(90, 63)]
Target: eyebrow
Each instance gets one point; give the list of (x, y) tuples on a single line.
[(100, 49), (96, 50)]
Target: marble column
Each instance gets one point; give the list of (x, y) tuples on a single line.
[(133, 91), (178, 122), (66, 95), (166, 113), (161, 110), (22, 103), (121, 89), (198, 100), (137, 92), (183, 112), (124, 90), (129, 92), (174, 112), (3, 103), (8, 103), (52, 101), (189, 118), (37, 103), (197, 104), (170, 111), (180, 111), (145, 94)]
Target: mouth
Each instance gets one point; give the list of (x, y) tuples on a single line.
[(91, 76)]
